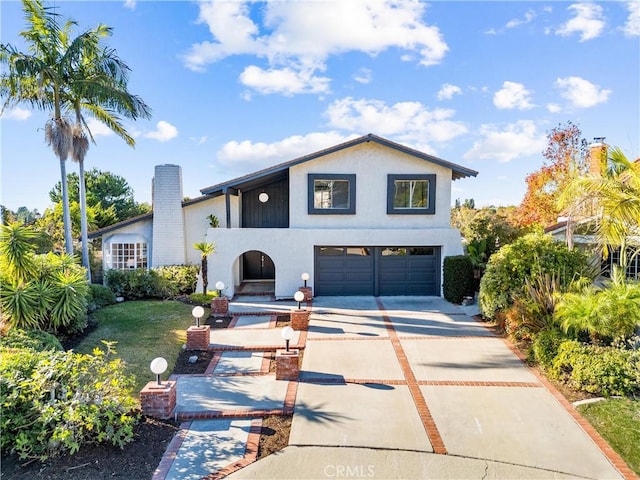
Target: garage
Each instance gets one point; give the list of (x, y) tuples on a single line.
[(379, 271)]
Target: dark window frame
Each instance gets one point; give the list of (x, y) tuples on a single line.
[(311, 179), (429, 210)]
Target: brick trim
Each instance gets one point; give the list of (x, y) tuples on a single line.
[(250, 453), (171, 452)]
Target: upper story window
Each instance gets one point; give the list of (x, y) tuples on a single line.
[(411, 194), (332, 194)]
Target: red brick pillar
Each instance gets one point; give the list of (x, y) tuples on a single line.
[(308, 293), (287, 364), (198, 338), (300, 319), (159, 401), (219, 306)]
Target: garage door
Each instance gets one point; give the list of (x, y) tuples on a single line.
[(377, 270)]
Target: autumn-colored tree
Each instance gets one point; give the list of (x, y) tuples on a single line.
[(565, 158)]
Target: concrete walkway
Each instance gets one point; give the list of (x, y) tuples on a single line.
[(396, 387)]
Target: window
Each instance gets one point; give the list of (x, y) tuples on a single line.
[(332, 194), (128, 256), (411, 194)]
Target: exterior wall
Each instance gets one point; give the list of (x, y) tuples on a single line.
[(292, 250), (371, 163), (197, 224), (168, 221), (143, 229)]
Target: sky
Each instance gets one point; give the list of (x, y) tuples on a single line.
[(238, 86)]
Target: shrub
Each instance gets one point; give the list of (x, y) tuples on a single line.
[(162, 282), (545, 346), (55, 402), (30, 339), (458, 281), (100, 296), (529, 256), (183, 278), (599, 370)]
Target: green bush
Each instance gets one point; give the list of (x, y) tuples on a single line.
[(458, 281), (100, 296), (30, 339), (545, 346), (162, 282), (599, 370), (183, 278), (55, 402), (529, 256)]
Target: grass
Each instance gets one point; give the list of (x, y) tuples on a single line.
[(618, 421), (143, 331)]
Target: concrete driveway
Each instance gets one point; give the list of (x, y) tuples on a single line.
[(412, 387)]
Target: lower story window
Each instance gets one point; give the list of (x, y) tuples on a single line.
[(128, 256)]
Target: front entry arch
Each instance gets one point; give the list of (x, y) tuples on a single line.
[(257, 265)]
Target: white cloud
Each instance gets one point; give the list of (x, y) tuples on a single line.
[(264, 154), (409, 122), (513, 95), (588, 21), (16, 113), (504, 144), (516, 22), (130, 4), (305, 34), (199, 140), (447, 91), (363, 76), (163, 133), (554, 108), (98, 128), (286, 81), (581, 93), (632, 26)]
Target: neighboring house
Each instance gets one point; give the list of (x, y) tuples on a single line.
[(365, 217)]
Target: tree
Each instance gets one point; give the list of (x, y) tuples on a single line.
[(565, 159), (205, 249), (79, 76)]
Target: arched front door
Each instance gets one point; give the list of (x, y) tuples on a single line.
[(257, 265)]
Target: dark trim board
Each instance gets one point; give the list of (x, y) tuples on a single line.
[(379, 271)]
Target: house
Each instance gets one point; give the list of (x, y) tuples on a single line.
[(365, 217)]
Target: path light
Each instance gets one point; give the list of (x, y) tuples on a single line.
[(219, 287), (158, 366), (305, 277), (197, 313), (298, 297), (287, 335)]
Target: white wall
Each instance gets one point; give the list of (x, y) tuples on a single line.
[(142, 228), (371, 163)]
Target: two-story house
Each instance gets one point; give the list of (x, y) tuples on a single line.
[(365, 217)]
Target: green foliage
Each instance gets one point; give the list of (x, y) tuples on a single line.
[(16, 251), (213, 221), (599, 370), (545, 346), (69, 311), (100, 296), (30, 339), (612, 311), (203, 299), (458, 278), (529, 256), (182, 277), (55, 402)]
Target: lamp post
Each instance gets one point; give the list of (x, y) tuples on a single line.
[(298, 297), (305, 277), (287, 335), (219, 287), (197, 313), (158, 366)]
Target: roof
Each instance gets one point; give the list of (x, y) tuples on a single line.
[(116, 226), (458, 171)]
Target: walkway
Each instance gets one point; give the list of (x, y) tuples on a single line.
[(397, 387)]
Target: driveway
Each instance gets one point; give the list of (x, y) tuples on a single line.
[(412, 387)]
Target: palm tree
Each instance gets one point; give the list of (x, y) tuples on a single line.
[(206, 249), (75, 75), (615, 195)]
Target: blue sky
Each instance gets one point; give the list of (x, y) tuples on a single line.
[(239, 86)]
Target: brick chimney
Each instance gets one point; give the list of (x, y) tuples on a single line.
[(168, 247), (597, 156)]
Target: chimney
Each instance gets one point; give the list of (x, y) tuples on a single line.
[(168, 247), (597, 156)]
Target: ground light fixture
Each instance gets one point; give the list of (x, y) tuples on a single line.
[(158, 366), (287, 335), (305, 277), (219, 287), (298, 297), (197, 313)]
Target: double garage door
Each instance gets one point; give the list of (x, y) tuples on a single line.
[(377, 270)]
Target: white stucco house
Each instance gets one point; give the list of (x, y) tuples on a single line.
[(365, 217)]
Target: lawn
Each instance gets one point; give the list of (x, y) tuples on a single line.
[(143, 330), (618, 421)]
